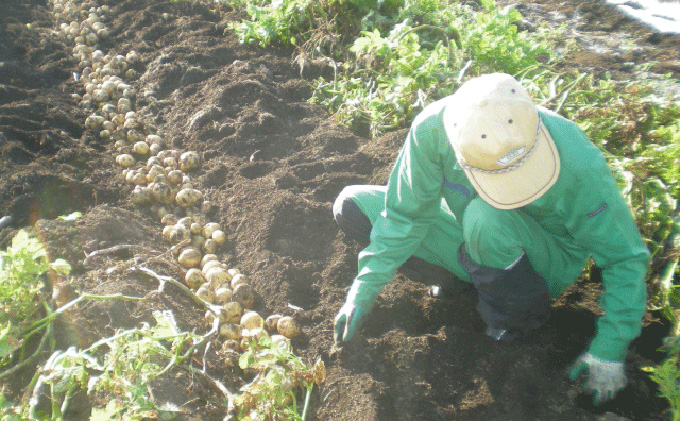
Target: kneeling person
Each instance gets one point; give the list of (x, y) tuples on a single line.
[(510, 198)]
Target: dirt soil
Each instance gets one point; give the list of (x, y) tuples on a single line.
[(273, 166)]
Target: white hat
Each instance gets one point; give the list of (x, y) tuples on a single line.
[(500, 141)]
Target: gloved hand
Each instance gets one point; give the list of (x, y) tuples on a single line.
[(348, 321), (604, 379)]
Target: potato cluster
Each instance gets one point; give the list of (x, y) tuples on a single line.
[(161, 179), (232, 298)]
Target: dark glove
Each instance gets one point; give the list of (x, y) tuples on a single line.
[(604, 379)]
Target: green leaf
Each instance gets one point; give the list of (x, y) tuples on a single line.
[(110, 412), (246, 360), (61, 266), (8, 343)]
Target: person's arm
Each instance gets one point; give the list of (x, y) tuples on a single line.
[(604, 224), (412, 202)]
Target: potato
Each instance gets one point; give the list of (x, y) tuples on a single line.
[(244, 295), (162, 211), (108, 125), (109, 109), (186, 221), (232, 344), (251, 320), (209, 246), (162, 193), (216, 313), (153, 172), (238, 279), (190, 257), (109, 86), (281, 342), (252, 335), (118, 120), (189, 161), (132, 57), (219, 237), (141, 196), (271, 321), (154, 149), (140, 179), (188, 197), (93, 122), (154, 139), (230, 331), (140, 148), (179, 233), (100, 95), (194, 278), (175, 176), (209, 228), (125, 160), (134, 136), (195, 228), (131, 123), (169, 219), (130, 93), (205, 294), (217, 277), (197, 241), (223, 295), (288, 327), (167, 231), (208, 258), (170, 163), (198, 217), (211, 264), (233, 311), (211, 316)]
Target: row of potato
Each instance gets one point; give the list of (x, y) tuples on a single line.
[(161, 179)]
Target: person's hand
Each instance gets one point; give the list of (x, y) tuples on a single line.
[(348, 321), (604, 379)]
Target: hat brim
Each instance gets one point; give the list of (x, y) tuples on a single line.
[(524, 184)]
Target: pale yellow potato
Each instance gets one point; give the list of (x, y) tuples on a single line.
[(189, 257), (245, 295), (194, 278), (206, 294), (230, 331), (288, 327), (271, 321), (251, 320), (233, 311)]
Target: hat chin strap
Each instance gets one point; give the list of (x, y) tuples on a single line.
[(511, 167)]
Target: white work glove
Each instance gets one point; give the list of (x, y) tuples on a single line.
[(604, 379)]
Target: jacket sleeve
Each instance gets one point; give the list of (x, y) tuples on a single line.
[(603, 223), (412, 202)]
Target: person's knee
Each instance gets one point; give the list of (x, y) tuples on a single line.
[(489, 236), (349, 217), (344, 204)]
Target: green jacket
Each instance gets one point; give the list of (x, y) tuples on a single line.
[(584, 211)]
